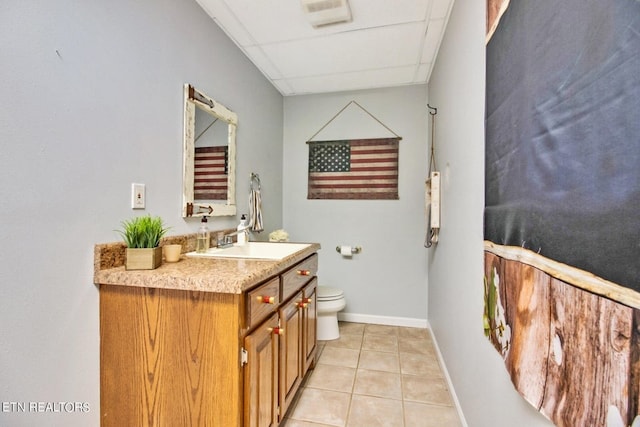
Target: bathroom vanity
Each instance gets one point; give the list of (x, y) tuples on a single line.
[(216, 342)]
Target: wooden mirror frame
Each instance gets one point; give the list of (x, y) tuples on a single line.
[(193, 99)]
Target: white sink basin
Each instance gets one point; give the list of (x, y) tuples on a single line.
[(253, 250)]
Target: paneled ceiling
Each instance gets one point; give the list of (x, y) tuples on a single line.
[(387, 43)]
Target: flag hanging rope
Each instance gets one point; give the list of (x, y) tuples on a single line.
[(344, 108)]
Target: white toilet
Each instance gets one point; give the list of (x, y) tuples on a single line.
[(330, 302)]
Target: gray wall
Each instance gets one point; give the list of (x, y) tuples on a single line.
[(91, 102), (78, 126), (457, 87), (387, 282)]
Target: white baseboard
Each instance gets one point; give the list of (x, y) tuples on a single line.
[(445, 372), (383, 320)]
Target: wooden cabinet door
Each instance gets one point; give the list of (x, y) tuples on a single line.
[(290, 351), (169, 358), (261, 375), (309, 325)]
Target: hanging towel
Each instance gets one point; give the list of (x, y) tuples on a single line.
[(428, 242), (255, 205)]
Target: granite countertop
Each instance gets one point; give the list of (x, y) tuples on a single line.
[(193, 274)]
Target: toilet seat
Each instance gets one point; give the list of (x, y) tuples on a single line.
[(328, 293)]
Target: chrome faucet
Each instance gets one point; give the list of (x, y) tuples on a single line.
[(226, 240)]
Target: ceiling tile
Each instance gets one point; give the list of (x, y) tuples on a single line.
[(422, 73), (383, 47), (388, 43), (354, 80), (264, 19), (225, 19), (432, 41), (376, 13)]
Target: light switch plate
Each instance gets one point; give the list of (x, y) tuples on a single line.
[(137, 196)]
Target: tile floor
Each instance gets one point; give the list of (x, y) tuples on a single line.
[(375, 375)]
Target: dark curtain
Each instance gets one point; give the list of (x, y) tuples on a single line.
[(563, 134)]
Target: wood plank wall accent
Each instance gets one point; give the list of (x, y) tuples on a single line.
[(153, 337), (572, 353)]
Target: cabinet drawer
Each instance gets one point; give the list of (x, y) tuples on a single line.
[(262, 301), (297, 276)]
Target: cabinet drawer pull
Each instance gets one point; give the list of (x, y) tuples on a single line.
[(303, 272), (306, 300), (277, 330), (266, 299), (302, 304)]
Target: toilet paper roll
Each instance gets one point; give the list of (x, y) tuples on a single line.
[(346, 251)]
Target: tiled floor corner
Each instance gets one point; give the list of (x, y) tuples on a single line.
[(375, 375)]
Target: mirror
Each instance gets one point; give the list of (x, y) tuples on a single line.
[(209, 156)]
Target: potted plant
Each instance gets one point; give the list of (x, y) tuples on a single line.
[(142, 236)]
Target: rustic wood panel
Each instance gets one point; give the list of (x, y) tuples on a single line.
[(634, 384), (571, 353), (589, 357), (150, 338), (526, 296), (573, 276), (493, 268)]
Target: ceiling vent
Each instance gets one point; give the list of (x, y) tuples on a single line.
[(326, 12)]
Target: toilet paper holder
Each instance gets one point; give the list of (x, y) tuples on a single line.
[(354, 249)]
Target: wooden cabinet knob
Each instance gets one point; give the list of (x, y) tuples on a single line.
[(304, 272), (266, 299)]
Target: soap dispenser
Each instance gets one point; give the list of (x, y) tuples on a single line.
[(242, 230), (203, 237)]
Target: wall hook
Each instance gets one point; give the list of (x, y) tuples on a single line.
[(434, 109)]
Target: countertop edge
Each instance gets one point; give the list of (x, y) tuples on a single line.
[(206, 275)]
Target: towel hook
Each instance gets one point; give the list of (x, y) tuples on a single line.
[(434, 109), (255, 182)]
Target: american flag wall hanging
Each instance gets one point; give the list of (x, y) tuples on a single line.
[(354, 169), (211, 173)]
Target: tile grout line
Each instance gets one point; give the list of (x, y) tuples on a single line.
[(360, 367), (401, 382), (353, 386)]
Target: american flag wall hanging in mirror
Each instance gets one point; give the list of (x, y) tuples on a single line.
[(211, 173), (354, 169)]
